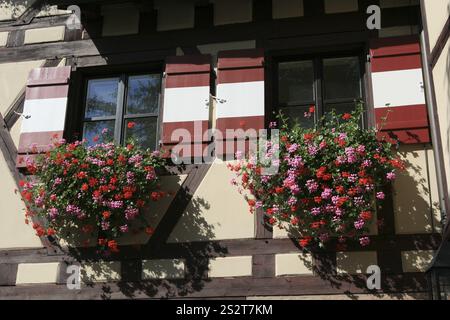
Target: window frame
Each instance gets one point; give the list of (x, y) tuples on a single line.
[(317, 58), (120, 117)]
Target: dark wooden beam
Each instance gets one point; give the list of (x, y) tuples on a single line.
[(39, 22), (391, 285), (440, 43), (8, 274), (262, 10), (15, 38), (313, 8), (283, 28), (30, 13), (228, 248), (9, 151), (204, 16)]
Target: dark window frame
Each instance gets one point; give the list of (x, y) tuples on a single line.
[(319, 96), (78, 94)]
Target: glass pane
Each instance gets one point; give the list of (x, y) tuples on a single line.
[(341, 78), (296, 115), (295, 82), (341, 108), (143, 130), (98, 132), (101, 98), (143, 94)]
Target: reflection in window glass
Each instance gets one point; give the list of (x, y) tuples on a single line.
[(341, 78), (295, 82), (296, 115), (101, 97), (143, 131), (341, 108), (143, 94), (98, 132)]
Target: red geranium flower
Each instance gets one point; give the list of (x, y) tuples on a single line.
[(131, 124), (305, 241), (347, 116), (112, 245)]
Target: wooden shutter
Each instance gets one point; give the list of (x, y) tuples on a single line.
[(240, 92), (186, 100), (44, 112), (397, 80)]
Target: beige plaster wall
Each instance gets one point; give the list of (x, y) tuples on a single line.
[(287, 8), (12, 9), (120, 19), (14, 233), (163, 269), (333, 6), (35, 273), (41, 35), (291, 264), (216, 212), (232, 11), (230, 267), (441, 76), (13, 78), (437, 14), (416, 260), (415, 197), (355, 262), (3, 38)]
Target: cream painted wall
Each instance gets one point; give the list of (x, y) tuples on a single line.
[(415, 192), (14, 233), (120, 19), (13, 77), (437, 14), (13, 9), (441, 76), (216, 212)]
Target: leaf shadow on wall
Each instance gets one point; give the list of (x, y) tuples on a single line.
[(414, 209), (176, 269)]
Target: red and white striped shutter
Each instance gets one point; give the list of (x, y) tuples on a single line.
[(186, 100), (397, 80), (240, 87), (44, 111)]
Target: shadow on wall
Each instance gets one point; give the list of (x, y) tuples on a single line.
[(12, 9), (447, 85), (415, 201), (159, 275), (414, 209)]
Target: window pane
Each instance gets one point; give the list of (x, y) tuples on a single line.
[(295, 82), (341, 108), (143, 130), (101, 98), (98, 132), (296, 115), (143, 94), (341, 78)]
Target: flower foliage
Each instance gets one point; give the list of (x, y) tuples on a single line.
[(329, 180), (89, 188)]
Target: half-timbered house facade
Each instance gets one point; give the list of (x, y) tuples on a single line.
[(70, 68)]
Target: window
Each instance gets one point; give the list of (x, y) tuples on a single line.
[(122, 107), (326, 82)]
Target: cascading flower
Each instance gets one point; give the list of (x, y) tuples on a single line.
[(329, 181), (98, 187)]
